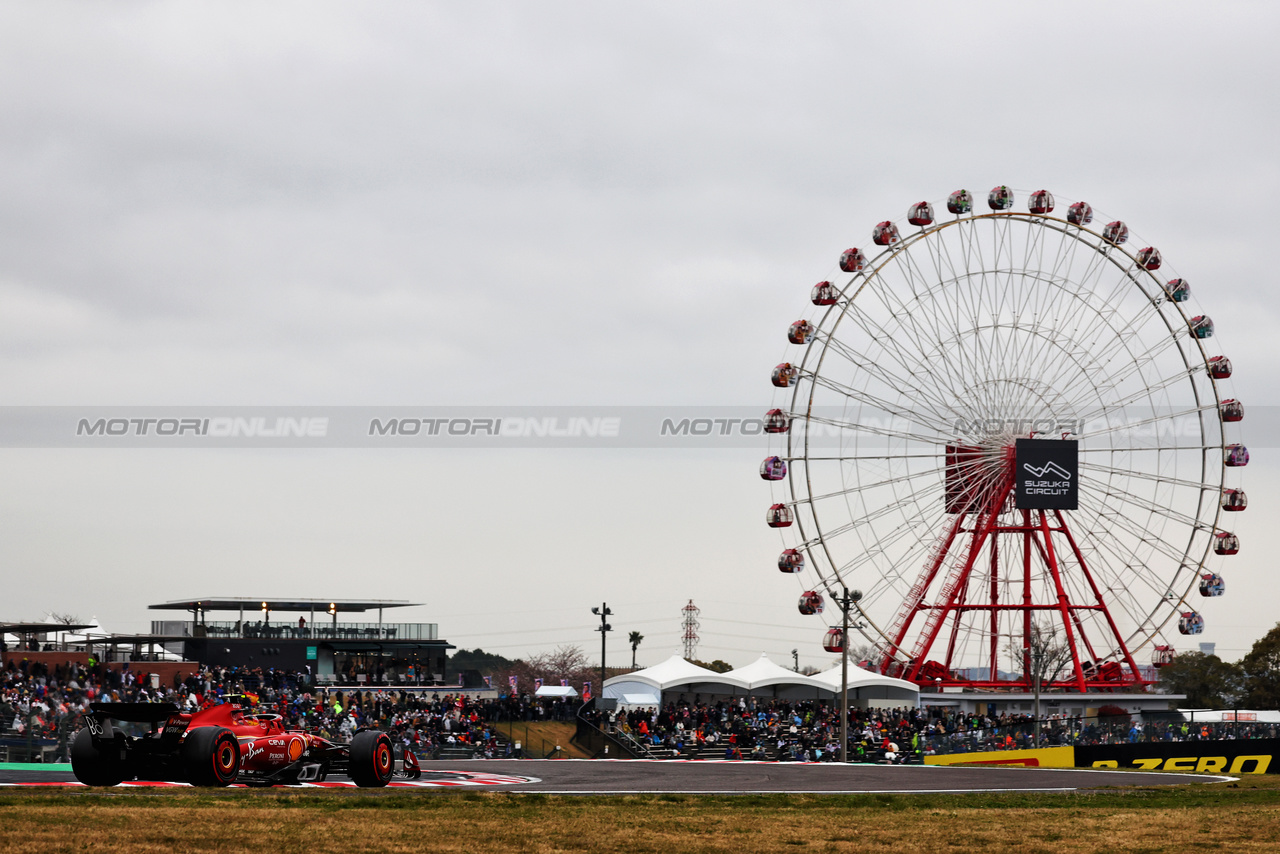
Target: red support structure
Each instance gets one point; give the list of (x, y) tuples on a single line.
[(980, 490)]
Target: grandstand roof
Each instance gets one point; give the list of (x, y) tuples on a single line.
[(40, 628), (238, 603)]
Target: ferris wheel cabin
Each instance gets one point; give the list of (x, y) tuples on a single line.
[(1237, 456), (852, 260), (1219, 367), (1162, 655), (791, 561), (1231, 410), (1226, 543), (799, 332), (811, 603), (773, 468), (833, 640), (1190, 623), (1177, 290), (824, 293), (1149, 258), (1116, 233), (779, 516), (1000, 198), (1234, 500), (1081, 213), (776, 421), (921, 213), (885, 233), (1202, 326), (785, 374), (1211, 584), (1041, 202), (960, 202)]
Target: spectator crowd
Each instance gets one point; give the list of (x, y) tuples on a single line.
[(41, 705), (44, 706), (749, 728)]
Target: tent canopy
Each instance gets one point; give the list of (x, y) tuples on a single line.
[(761, 678)]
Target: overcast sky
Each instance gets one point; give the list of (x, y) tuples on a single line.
[(544, 204)]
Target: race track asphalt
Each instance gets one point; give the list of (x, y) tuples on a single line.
[(588, 777)]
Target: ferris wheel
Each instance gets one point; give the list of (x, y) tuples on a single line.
[(1003, 425)]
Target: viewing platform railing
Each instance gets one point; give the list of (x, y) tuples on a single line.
[(318, 630)]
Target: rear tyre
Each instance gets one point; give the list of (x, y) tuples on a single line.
[(211, 756), (94, 767), (370, 762)]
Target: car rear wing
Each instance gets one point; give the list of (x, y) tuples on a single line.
[(150, 713)]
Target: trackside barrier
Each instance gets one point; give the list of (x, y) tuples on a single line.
[(1044, 757), (1252, 756), (1229, 756)]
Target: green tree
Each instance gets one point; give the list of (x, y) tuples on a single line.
[(634, 639), (718, 666), (488, 663), (1208, 681), (1261, 672)]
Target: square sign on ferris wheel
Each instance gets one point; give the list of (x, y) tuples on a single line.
[(1048, 472)]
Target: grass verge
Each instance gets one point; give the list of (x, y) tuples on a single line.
[(1198, 817)]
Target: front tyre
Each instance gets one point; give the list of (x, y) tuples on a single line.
[(370, 762), (92, 766), (211, 756)]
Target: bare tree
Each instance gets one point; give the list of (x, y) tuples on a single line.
[(65, 619), (566, 663), (1053, 653)]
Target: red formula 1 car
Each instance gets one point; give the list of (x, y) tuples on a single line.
[(218, 745)]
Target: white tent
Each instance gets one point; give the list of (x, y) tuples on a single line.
[(674, 674), (562, 691), (761, 678), (865, 685), (764, 678)]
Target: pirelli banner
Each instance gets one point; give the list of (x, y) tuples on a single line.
[(1244, 756), (1042, 757), (1234, 756)]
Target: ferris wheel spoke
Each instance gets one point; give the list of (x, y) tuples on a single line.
[(1122, 522), (1142, 475), (931, 438), (894, 481), (1111, 491), (917, 280), (921, 391), (866, 399), (921, 341), (922, 377), (1131, 425), (1134, 397)]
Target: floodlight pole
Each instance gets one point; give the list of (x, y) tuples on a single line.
[(845, 602), (603, 612), (1037, 671)]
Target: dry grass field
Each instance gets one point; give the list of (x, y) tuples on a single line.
[(1242, 817)]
